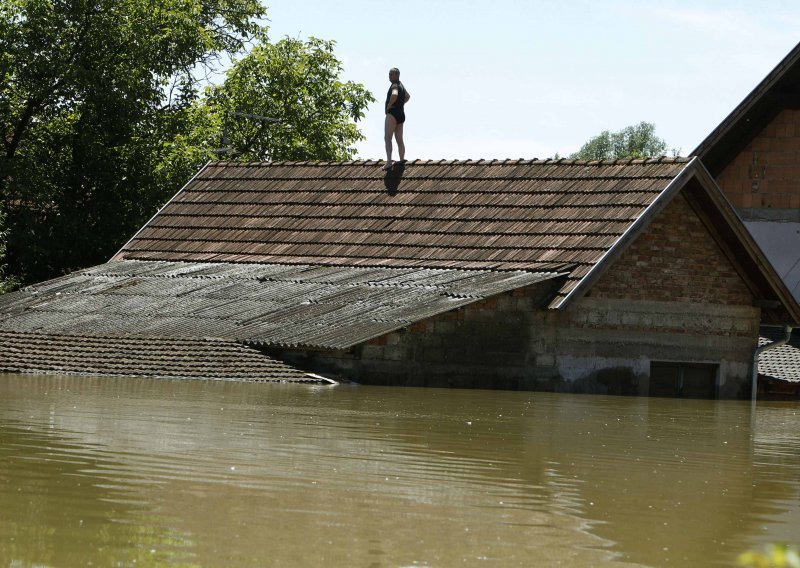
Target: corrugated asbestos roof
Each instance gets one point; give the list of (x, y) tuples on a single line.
[(781, 363), (282, 305), (497, 215), (111, 355)]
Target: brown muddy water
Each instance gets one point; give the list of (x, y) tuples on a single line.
[(139, 472)]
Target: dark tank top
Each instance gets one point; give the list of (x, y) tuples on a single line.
[(401, 96)]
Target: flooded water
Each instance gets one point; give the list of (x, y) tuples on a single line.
[(131, 472)]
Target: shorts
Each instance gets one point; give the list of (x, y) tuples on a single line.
[(398, 113)]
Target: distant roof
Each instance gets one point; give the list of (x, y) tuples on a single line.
[(779, 90), (115, 355), (280, 305), (549, 215)]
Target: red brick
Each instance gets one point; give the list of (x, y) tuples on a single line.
[(776, 150), (695, 270)]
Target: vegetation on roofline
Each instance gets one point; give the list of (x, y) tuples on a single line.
[(637, 141), (107, 107)]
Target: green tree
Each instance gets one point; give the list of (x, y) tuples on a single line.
[(105, 113), (638, 141), (296, 83), (92, 94), (6, 284)]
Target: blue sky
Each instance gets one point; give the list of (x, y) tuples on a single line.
[(514, 79)]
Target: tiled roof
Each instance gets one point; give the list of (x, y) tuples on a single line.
[(113, 355), (497, 215), (283, 305), (782, 363)]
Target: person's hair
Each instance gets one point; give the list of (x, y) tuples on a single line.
[(394, 70)]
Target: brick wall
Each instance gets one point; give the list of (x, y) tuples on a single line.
[(675, 260), (766, 173)]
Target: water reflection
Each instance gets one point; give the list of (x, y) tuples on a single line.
[(124, 470), (38, 529)]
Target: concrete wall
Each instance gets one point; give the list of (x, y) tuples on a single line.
[(484, 345), (672, 296), (606, 345), (598, 345)]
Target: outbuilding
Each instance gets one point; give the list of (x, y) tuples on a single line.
[(628, 277)]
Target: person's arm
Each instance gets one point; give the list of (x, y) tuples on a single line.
[(408, 96), (393, 98)]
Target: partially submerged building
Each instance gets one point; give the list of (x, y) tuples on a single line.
[(754, 156), (630, 277), (638, 276)]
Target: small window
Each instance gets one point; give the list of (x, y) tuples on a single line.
[(684, 380)]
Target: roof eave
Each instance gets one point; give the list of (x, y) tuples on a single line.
[(119, 254), (748, 103), (732, 219), (635, 229)]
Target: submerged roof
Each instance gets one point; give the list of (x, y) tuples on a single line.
[(281, 305), (115, 355), (546, 215), (779, 90), (781, 363)]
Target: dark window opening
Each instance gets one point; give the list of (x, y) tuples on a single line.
[(683, 380)]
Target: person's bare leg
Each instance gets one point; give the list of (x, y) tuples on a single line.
[(388, 130), (401, 147)]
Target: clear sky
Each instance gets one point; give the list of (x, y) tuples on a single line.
[(516, 79)]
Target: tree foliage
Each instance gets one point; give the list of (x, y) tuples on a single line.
[(637, 141), (297, 84), (91, 93), (104, 114), (6, 283)]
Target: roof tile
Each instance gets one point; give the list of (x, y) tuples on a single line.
[(497, 214), (116, 355)]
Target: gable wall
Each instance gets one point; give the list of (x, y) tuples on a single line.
[(763, 184), (675, 260), (766, 173)]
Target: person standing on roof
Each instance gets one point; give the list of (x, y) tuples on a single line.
[(396, 100)]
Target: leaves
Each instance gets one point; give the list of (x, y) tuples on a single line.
[(6, 284), (296, 83), (638, 141), (104, 114)]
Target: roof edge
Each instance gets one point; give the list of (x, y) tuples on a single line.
[(546, 277), (735, 222), (633, 231), (117, 254), (752, 98), (467, 162)]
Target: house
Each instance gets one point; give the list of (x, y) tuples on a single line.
[(629, 277), (754, 156)]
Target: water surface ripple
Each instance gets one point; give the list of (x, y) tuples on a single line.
[(138, 472)]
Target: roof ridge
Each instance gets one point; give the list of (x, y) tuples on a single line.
[(466, 162)]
